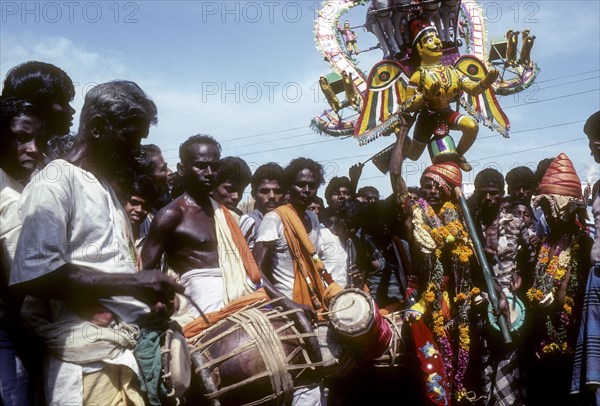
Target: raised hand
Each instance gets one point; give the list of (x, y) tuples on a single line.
[(355, 171), (429, 93)]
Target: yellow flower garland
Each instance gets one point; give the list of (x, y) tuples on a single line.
[(556, 270), (463, 336), (433, 234), (535, 295)]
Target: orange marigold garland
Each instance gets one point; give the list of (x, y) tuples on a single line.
[(550, 274), (438, 235)]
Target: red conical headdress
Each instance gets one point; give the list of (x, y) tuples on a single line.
[(561, 179)]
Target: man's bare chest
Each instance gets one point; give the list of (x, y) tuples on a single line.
[(197, 228)]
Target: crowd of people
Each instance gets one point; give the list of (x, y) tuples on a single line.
[(104, 248)]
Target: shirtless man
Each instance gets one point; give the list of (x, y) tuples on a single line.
[(185, 228), (187, 231)]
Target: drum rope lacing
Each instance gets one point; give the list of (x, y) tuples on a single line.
[(257, 325), (390, 318)]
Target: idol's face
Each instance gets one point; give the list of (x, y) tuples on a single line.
[(430, 47)]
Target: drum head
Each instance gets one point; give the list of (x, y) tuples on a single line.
[(352, 312), (516, 309), (180, 363)]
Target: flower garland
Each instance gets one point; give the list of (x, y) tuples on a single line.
[(464, 341), (421, 231), (549, 276), (435, 235)]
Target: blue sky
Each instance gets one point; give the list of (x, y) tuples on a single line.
[(246, 73)]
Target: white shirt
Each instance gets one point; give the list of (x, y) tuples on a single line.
[(271, 231), (248, 226), (10, 222), (69, 216), (10, 226), (333, 254)]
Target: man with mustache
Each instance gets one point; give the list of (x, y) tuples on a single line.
[(76, 260), (442, 268)]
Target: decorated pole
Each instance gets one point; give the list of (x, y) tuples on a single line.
[(489, 281)]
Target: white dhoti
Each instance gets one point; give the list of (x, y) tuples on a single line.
[(214, 288), (205, 288)]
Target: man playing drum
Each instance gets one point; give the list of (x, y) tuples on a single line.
[(76, 260), (206, 248), (285, 249), (202, 242)]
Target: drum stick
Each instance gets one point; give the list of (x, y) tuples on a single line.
[(489, 281), (338, 310), (193, 303)]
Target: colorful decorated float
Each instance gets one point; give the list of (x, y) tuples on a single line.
[(435, 54)]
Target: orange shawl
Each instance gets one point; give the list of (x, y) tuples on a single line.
[(308, 285)]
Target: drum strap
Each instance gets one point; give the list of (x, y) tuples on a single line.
[(402, 259), (350, 262)]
